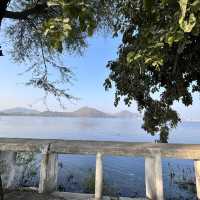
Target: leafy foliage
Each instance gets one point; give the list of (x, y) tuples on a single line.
[(42, 31), (158, 60), (29, 164)]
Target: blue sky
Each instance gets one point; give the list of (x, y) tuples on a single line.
[(90, 73)]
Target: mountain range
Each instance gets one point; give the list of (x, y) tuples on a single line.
[(82, 112)]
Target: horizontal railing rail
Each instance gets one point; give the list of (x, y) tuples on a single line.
[(153, 153), (182, 151)]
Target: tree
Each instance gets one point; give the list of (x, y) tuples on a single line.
[(158, 61), (42, 30)]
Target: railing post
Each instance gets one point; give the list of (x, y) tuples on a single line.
[(197, 175), (8, 168), (153, 177), (48, 172), (99, 177)]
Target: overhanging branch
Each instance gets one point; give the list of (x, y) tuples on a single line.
[(3, 7), (38, 9)]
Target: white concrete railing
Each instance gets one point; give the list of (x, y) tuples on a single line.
[(152, 153)]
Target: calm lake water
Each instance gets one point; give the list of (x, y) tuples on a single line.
[(125, 175)]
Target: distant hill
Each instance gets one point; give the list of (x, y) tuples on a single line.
[(127, 114), (82, 112), (89, 112), (20, 110)]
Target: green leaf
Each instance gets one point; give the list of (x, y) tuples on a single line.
[(195, 6), (170, 40), (148, 60), (130, 57), (53, 3), (183, 6), (185, 25), (66, 27), (137, 56)]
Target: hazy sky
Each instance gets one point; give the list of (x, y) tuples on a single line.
[(90, 73)]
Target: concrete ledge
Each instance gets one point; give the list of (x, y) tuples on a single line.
[(182, 151), (28, 195), (80, 196)]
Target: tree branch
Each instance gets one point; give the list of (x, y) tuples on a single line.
[(3, 7), (38, 9)]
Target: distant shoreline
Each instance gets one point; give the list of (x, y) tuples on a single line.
[(82, 112), (40, 115), (62, 114)]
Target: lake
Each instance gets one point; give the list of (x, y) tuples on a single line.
[(124, 175)]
